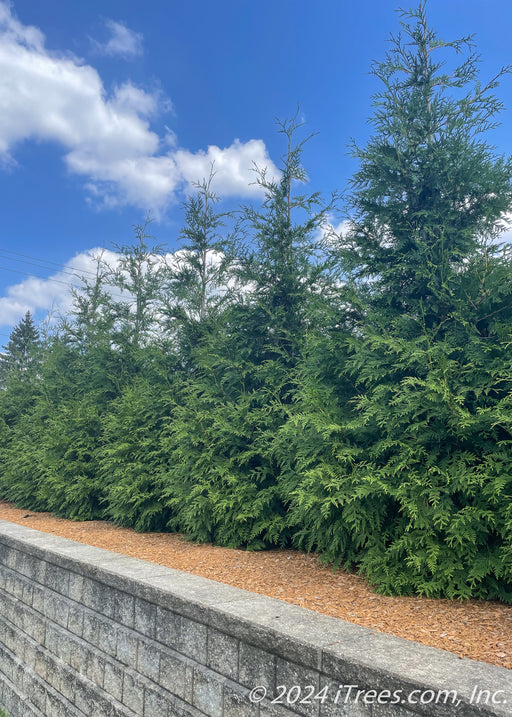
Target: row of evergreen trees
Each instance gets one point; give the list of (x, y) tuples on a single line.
[(350, 395)]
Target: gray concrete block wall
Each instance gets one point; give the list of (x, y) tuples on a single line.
[(84, 631)]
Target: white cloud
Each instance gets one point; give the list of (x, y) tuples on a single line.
[(54, 295), (106, 137), (330, 232), (36, 294), (233, 166), (122, 42)]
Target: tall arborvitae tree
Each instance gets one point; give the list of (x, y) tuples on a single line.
[(200, 281), (22, 384), (192, 293), (284, 263), (430, 189), (223, 481), (139, 275), (415, 486)]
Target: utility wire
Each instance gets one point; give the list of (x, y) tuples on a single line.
[(55, 281), (46, 261), (40, 266), (28, 273)]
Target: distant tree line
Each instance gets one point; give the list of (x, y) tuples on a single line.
[(271, 384)]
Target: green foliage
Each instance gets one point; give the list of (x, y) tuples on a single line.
[(412, 482), (262, 387), (429, 189), (132, 457), (22, 353)]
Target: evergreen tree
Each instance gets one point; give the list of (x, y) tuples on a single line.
[(430, 190), (413, 485), (284, 264), (21, 349), (200, 281), (139, 273), (223, 481)]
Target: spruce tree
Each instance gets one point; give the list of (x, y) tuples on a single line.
[(21, 349)]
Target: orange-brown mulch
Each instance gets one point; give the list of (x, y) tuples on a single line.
[(475, 629)]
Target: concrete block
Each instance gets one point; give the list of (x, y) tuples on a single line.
[(56, 706), (95, 668), (34, 625), (57, 579), (38, 695), (75, 587), (124, 609), (335, 703), (83, 697), (90, 627), (145, 617), (236, 702), (55, 608), (28, 594), (38, 598), (106, 636), (29, 654), (148, 659), (301, 685), (207, 694), (222, 653), (192, 640), (79, 655), (126, 649), (156, 704), (113, 679), (102, 599), (52, 639), (75, 619), (167, 627), (133, 692), (176, 674), (257, 667), (41, 663), (269, 710)]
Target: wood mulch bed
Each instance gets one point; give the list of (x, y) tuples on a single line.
[(475, 629)]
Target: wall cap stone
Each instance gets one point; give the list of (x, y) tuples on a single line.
[(344, 651)]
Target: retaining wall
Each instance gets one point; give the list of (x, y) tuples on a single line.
[(84, 631)]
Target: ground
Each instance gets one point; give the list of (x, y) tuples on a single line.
[(475, 629)]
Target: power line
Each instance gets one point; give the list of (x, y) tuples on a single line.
[(57, 281), (38, 276), (39, 266), (46, 261)]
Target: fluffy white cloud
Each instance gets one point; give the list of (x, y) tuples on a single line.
[(122, 41), (234, 166), (106, 137), (53, 294)]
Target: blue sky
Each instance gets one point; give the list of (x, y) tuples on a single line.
[(110, 109)]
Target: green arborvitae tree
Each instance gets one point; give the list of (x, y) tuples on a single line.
[(200, 281), (223, 482), (430, 189), (192, 293), (20, 463), (413, 486), (138, 275), (284, 263)]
